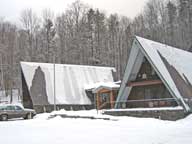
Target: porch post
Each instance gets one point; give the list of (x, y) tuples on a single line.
[(98, 100), (111, 99)]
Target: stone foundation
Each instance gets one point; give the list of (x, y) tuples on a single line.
[(171, 115), (50, 108)]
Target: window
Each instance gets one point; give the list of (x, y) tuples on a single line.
[(18, 108), (10, 108), (144, 76), (2, 108), (147, 93), (105, 97), (152, 72)]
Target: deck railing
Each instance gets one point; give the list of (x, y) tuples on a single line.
[(146, 103)]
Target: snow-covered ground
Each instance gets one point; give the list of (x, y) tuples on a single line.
[(125, 130)]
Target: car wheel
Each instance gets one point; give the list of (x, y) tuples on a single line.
[(29, 116), (4, 117)]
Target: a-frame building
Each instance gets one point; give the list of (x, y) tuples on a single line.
[(156, 75), (46, 84)]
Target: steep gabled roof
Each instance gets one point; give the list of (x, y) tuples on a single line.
[(173, 66), (70, 80)]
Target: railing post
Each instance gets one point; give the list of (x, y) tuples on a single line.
[(98, 101)]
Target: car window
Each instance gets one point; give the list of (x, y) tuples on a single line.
[(18, 108), (10, 108), (2, 108)]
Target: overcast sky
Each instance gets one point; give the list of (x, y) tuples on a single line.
[(11, 9)]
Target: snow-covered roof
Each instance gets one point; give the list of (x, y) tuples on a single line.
[(69, 80), (164, 59), (96, 86)]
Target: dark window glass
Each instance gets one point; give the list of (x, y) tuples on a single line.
[(18, 108), (105, 97), (2, 108), (10, 108)]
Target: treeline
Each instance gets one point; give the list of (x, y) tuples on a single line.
[(87, 36)]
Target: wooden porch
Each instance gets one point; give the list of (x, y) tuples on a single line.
[(105, 98)]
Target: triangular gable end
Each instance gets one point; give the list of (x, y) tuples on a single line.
[(141, 49), (132, 68)]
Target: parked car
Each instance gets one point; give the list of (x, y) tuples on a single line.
[(15, 111)]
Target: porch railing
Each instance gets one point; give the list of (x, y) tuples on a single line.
[(146, 103)]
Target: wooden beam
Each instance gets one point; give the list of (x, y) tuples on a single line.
[(144, 83)]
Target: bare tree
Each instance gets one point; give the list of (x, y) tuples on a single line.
[(49, 32), (30, 24)]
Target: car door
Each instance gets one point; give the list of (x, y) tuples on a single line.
[(3, 110), (10, 111)]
